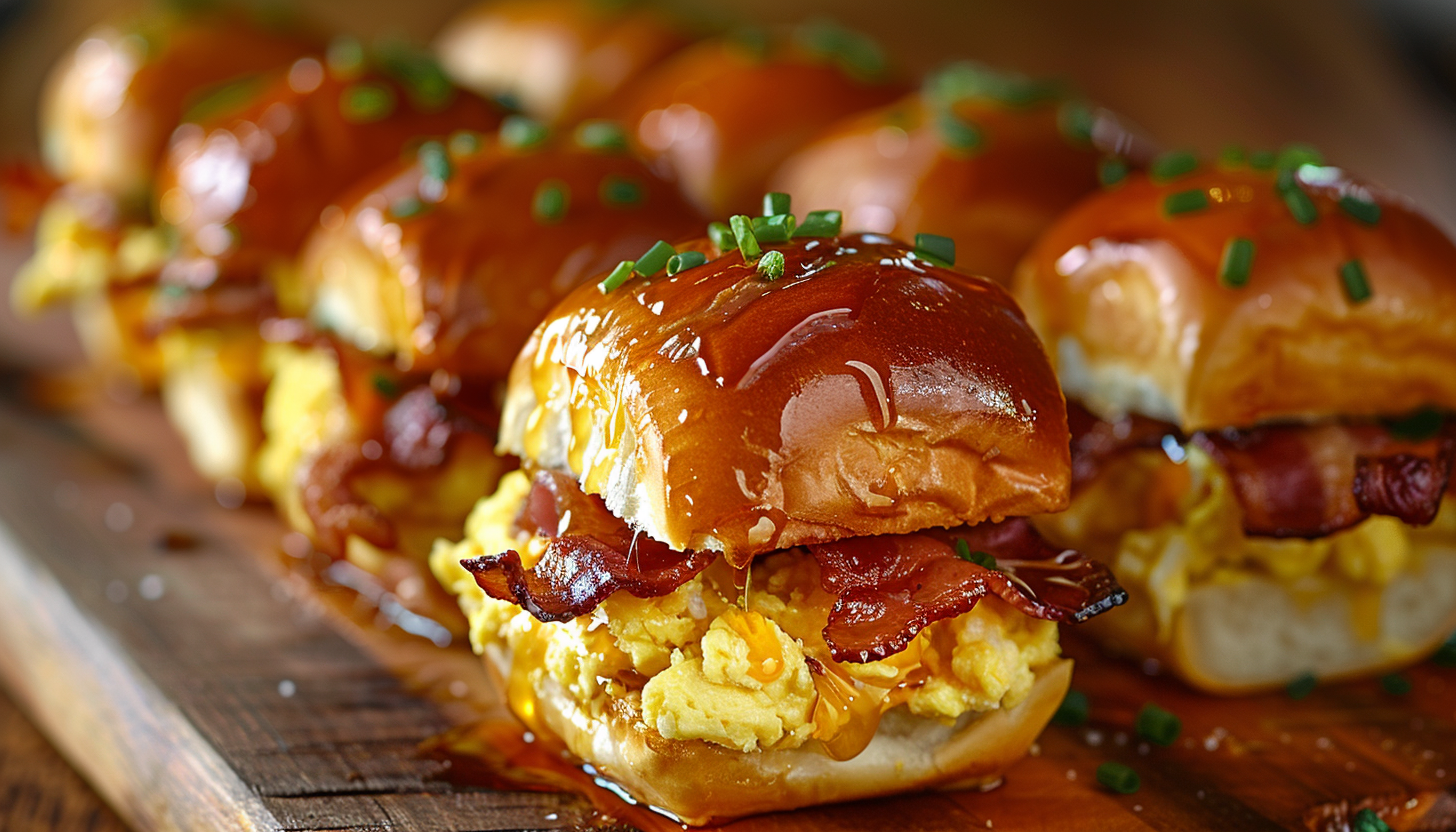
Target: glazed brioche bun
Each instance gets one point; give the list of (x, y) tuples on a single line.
[(1128, 299), (699, 781), (110, 105), (459, 284), (866, 392), (984, 158), (559, 60)]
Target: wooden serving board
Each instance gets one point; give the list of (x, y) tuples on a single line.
[(199, 679)]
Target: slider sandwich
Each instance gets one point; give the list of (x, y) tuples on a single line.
[(1261, 360), (419, 288), (769, 545)]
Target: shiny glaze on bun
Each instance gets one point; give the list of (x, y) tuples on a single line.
[(865, 392), (1129, 300)]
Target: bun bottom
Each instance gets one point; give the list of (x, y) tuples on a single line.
[(1254, 633), (701, 782)]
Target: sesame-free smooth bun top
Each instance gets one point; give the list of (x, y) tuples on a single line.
[(866, 391), (1234, 294)]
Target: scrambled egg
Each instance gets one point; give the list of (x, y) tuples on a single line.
[(303, 409), (711, 661), (1188, 531), (210, 385)]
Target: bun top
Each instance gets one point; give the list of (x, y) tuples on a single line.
[(448, 259), (866, 391), (1229, 296)]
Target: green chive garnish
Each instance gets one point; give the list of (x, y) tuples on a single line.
[(1417, 427), (937, 249), (1299, 203), (1302, 686), (1233, 156), (1172, 165), (406, 207), (722, 236), (1237, 261), (465, 143), (743, 233), (1357, 285), (620, 191), (1294, 155), (1396, 684), (654, 259), (1262, 159), (1185, 202), (418, 72), (363, 103), (601, 134), (1111, 171), (1366, 820), (384, 385), (223, 98), (771, 265), (982, 559), (1074, 710), (854, 52), (684, 260), (550, 201), (1118, 778), (957, 133), (435, 162), (1446, 653), (775, 203), (1361, 209), (820, 224), (522, 133), (621, 274), (345, 57), (1158, 726), (776, 229), (1076, 121)]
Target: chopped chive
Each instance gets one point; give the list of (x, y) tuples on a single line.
[(722, 236), (1294, 155), (1302, 686), (621, 274), (856, 53), (1361, 209), (1299, 203), (982, 559), (957, 133), (1158, 726), (1118, 778), (364, 103), (1395, 684), (1185, 202), (550, 201), (1233, 156), (776, 229), (406, 207), (464, 143), (345, 57), (937, 249), (435, 161), (384, 385), (743, 233), (522, 133), (1262, 159), (1357, 285), (1236, 263), (418, 72), (224, 98), (969, 80), (1076, 121), (771, 265), (1417, 427), (775, 203), (1172, 165), (1074, 710), (1446, 654), (620, 191), (820, 224), (684, 260), (601, 134), (654, 259), (1111, 171), (1366, 820)]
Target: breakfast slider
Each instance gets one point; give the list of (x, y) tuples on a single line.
[(1265, 349), (769, 545)]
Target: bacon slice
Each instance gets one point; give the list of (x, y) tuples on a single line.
[(891, 587), (593, 557), (1095, 442)]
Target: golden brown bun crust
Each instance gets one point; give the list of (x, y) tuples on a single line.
[(463, 283), (877, 395), (700, 782), (153, 81), (720, 119), (562, 60), (1129, 303), (891, 172)]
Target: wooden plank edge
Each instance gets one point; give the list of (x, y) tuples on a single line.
[(127, 740)]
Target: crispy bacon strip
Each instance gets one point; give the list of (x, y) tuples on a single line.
[(594, 557), (1095, 442), (891, 587)]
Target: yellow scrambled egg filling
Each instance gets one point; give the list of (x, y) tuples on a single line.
[(73, 258), (748, 670), (1187, 530)]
